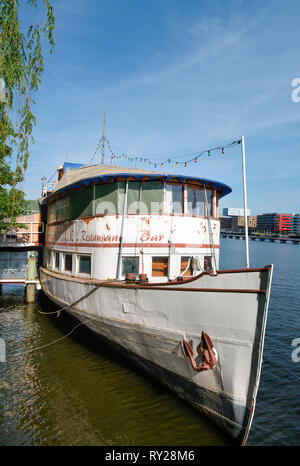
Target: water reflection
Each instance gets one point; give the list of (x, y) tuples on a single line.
[(78, 392)]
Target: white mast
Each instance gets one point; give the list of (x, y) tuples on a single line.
[(245, 202), (103, 129), (119, 264)]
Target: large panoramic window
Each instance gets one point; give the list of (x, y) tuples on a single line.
[(51, 212), (81, 203), (62, 208), (145, 197), (174, 198), (106, 199), (134, 198), (196, 201), (153, 196)]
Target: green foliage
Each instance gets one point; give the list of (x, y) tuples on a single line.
[(21, 68)]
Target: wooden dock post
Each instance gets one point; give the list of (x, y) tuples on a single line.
[(31, 276)]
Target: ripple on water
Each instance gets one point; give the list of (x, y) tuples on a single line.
[(77, 392)]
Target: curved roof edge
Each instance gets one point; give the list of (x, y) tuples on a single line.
[(225, 189)]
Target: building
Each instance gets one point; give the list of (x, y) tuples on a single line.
[(275, 223), (238, 223), (234, 220), (234, 212), (226, 223), (296, 224)]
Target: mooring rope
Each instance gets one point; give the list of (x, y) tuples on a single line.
[(54, 341), (58, 313), (72, 304)]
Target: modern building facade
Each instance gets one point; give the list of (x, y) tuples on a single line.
[(275, 223), (296, 224), (226, 223), (238, 223)]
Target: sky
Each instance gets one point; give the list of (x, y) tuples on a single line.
[(175, 77)]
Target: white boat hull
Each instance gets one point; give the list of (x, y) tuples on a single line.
[(150, 323)]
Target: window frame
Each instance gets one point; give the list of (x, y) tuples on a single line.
[(186, 274), (83, 274), (130, 256), (64, 263), (49, 258), (168, 266), (57, 254), (166, 210)]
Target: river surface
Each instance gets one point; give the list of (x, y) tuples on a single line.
[(77, 392)]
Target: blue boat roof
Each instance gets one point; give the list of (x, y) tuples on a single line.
[(78, 175)]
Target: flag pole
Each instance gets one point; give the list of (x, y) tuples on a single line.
[(103, 137), (245, 202)]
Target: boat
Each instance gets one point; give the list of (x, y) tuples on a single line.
[(133, 254)]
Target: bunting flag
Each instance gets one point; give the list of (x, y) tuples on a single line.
[(169, 160)]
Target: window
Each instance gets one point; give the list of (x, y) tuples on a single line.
[(106, 198), (207, 266), (160, 266), (174, 198), (84, 264), (134, 198), (209, 201), (145, 197), (130, 265), (81, 202), (49, 257), (62, 208), (68, 262), (186, 266), (51, 212), (195, 201), (152, 196), (56, 255)]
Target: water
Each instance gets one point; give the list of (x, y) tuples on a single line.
[(77, 392)]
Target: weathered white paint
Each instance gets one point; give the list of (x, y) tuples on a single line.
[(145, 236), (151, 323)]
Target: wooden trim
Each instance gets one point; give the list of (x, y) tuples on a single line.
[(164, 285), (173, 288)]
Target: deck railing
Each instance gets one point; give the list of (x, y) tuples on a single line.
[(27, 234)]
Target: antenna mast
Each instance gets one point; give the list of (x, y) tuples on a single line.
[(103, 129)]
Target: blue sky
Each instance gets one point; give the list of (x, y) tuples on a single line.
[(176, 77)]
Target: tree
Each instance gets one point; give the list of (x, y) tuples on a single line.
[(21, 70)]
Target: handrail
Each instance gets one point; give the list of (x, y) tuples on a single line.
[(27, 232)]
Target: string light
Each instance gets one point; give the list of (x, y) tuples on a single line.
[(168, 160)]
